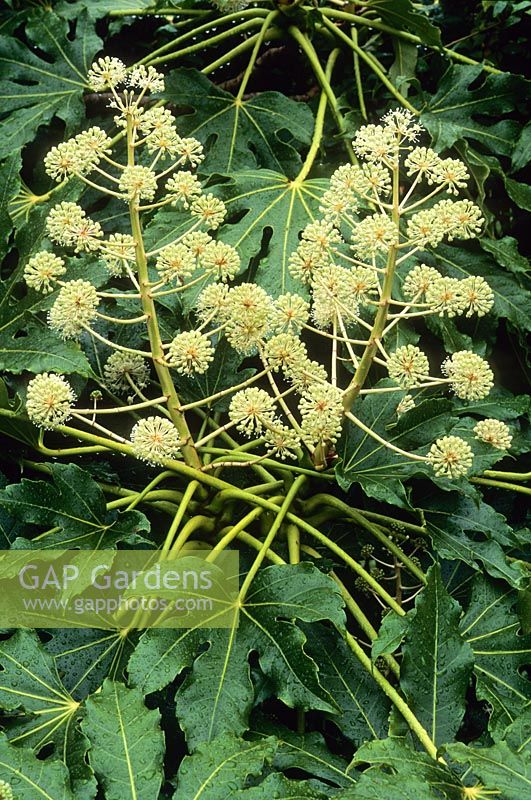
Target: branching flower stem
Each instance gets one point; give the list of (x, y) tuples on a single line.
[(188, 450)]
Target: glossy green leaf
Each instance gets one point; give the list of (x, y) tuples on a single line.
[(437, 661), (501, 771), (263, 131), (36, 87), (492, 628), (363, 708), (455, 111), (404, 15), (75, 504), (264, 202), (31, 778), (217, 694), (43, 711), (126, 743)]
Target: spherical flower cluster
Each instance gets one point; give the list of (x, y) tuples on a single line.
[(333, 296), (290, 313), (374, 179), (322, 235), (190, 151), (210, 211), (469, 375), (106, 72), (285, 351), (306, 259), (252, 410), (364, 283), (450, 457), (445, 297), (461, 218), (197, 242), (120, 366), (336, 204), (452, 173), (222, 259), (42, 270), (183, 187), (376, 143), (117, 252), (175, 262), (408, 366), (321, 411), (138, 182), (248, 313), (403, 124), (477, 295), (74, 308), (154, 439), (190, 352), (310, 373), (282, 442), (146, 78), (494, 432), (77, 156), (422, 161), (6, 792), (375, 233), (68, 225), (213, 302), (49, 400), (426, 227), (418, 281)]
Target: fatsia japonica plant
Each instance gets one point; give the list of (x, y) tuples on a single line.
[(238, 325), (351, 260)]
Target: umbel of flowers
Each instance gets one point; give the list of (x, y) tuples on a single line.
[(359, 268)]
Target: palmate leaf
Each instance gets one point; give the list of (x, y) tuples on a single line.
[(492, 628), (36, 87), (473, 532), (126, 743), (437, 661), (217, 695), (263, 201), (264, 131), (9, 184), (40, 710), (363, 708), (378, 470), (412, 771), (452, 113), (30, 777), (75, 504), (278, 786)]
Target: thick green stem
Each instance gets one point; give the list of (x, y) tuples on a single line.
[(510, 487), (279, 519), (309, 50), (371, 63), (319, 123), (369, 22), (356, 384), (351, 513), (181, 511), (400, 704)]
